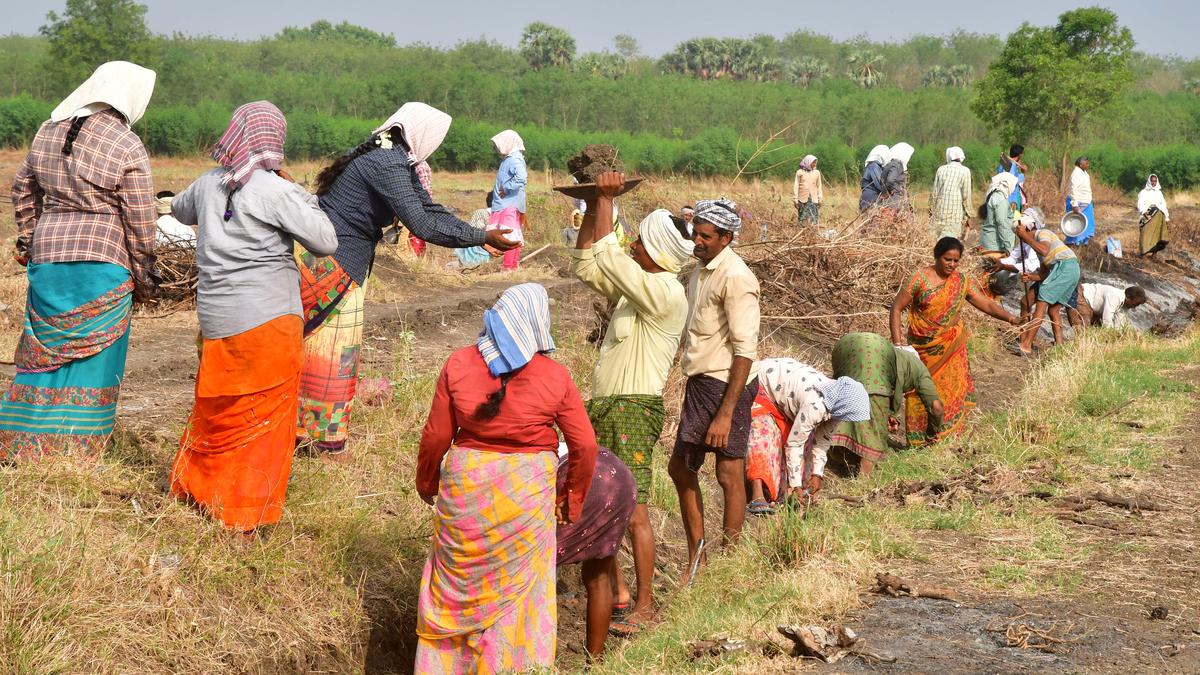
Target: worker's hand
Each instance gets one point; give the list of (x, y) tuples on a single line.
[(814, 484), (562, 514), (1015, 320), (718, 431), (609, 184), (496, 240), (893, 424), (500, 193), (1031, 277), (285, 175), (22, 259), (1076, 209), (938, 409), (428, 499)]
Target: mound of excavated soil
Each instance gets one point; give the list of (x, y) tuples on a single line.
[(592, 161)]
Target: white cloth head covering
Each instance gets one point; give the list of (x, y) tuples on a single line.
[(955, 154), (846, 399), (662, 240), (1005, 182), (879, 153), (720, 213), (423, 126), (507, 142), (163, 204), (1153, 187), (1032, 215), (808, 162), (903, 152), (123, 86)]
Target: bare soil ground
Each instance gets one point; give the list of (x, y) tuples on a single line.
[(1135, 613)]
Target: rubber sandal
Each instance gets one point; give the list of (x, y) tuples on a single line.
[(620, 610), (1015, 349), (759, 507), (624, 629)]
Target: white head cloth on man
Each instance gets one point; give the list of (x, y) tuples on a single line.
[(662, 240)]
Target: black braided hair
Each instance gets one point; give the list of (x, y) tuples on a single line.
[(491, 407), (72, 134), (329, 174), (229, 205)]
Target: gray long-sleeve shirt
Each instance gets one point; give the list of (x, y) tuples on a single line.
[(248, 273)]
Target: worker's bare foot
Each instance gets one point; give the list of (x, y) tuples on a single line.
[(340, 457)]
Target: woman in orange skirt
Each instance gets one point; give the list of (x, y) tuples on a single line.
[(935, 297), (236, 453)]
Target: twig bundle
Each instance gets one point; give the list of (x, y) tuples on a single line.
[(177, 267), (829, 283)]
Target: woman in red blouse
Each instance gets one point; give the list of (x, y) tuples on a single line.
[(487, 462)]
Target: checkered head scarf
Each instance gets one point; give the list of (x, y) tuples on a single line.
[(254, 140), (847, 400), (720, 213)]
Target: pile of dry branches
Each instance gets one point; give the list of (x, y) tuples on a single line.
[(827, 282), (177, 266)]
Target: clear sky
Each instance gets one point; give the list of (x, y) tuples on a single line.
[(1159, 26)]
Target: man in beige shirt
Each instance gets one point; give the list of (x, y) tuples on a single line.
[(720, 348), (639, 347)]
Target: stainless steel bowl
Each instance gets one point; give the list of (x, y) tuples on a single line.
[(1073, 224)]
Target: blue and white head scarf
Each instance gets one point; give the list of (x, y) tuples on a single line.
[(516, 328), (847, 400)]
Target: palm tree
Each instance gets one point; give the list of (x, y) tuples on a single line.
[(957, 76), (545, 45), (808, 69), (865, 68), (1192, 85), (960, 75), (935, 76)]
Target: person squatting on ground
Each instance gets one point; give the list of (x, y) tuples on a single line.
[(718, 359), (935, 297), (792, 422), (85, 218), (363, 192), (236, 453), (626, 408), (888, 373), (488, 463)]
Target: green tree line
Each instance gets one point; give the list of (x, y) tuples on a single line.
[(188, 130)]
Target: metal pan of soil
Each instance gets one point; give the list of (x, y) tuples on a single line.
[(588, 190)]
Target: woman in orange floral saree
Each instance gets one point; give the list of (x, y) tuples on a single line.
[(934, 297)]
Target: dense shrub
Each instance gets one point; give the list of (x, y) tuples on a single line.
[(717, 151), (20, 118)]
